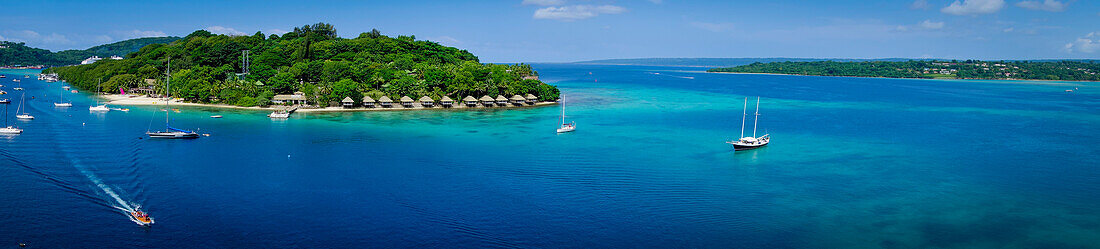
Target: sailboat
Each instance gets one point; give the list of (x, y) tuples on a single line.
[(565, 127), (753, 142), (169, 131), (98, 107), (8, 129), (21, 112), (61, 102)]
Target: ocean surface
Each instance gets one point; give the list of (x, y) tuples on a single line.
[(854, 163)]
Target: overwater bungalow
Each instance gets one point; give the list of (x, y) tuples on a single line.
[(531, 99), (347, 102), (385, 102), (501, 100), (470, 101), (446, 102), (426, 101), (406, 101), (486, 101), (518, 100), (368, 102)]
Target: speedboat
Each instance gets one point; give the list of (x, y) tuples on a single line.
[(279, 114), (216, 116), (141, 218)]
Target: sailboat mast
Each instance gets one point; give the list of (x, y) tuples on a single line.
[(743, 114), (563, 110), (167, 96), (754, 119)]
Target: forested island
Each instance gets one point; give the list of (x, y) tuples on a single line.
[(313, 60), (1082, 70), (18, 53)]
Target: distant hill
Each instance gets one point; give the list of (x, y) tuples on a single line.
[(716, 62), (18, 53)]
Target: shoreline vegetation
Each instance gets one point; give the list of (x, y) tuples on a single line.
[(1087, 71), (310, 67), (133, 100)]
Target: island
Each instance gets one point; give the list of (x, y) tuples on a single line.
[(19, 55), (309, 67), (1065, 70)]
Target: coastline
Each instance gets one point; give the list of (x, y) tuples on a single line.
[(899, 78), (134, 100)]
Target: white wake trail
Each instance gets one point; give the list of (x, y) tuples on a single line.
[(106, 189)]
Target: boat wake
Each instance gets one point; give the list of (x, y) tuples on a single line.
[(114, 199)]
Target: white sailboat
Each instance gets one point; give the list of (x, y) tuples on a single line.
[(21, 112), (565, 127), (753, 142), (98, 107), (9, 129), (169, 131), (61, 101)]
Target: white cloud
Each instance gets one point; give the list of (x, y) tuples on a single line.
[(32, 38), (543, 2), (929, 24), (576, 12), (713, 27), (1009, 29), (1046, 5), (1088, 44), (277, 31), (919, 5), (224, 31), (973, 7), (446, 40)]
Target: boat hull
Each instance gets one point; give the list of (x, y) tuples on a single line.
[(10, 130), (173, 135), (740, 147)]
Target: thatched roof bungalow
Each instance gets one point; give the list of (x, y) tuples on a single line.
[(470, 101), (446, 101), (406, 101), (347, 102), (368, 101), (426, 101), (385, 102), (501, 100)]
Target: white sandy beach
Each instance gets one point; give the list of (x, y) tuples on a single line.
[(116, 99)]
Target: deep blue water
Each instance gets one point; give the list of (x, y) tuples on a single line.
[(855, 162)]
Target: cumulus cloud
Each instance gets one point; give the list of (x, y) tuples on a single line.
[(713, 27), (576, 12), (224, 31), (1088, 44), (920, 5), (277, 31), (543, 2), (1046, 5), (929, 24), (973, 7)]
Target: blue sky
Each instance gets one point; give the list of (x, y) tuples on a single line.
[(574, 30)]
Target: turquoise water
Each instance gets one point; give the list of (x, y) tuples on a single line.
[(854, 162)]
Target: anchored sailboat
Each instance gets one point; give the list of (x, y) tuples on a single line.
[(753, 142), (169, 131), (565, 127), (9, 129), (21, 112), (98, 107), (61, 101)]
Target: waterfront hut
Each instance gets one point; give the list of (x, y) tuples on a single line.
[(406, 101), (347, 102), (368, 102), (426, 101), (298, 98), (385, 101), (517, 100), (486, 101), (501, 100), (446, 101), (531, 99), (470, 101)]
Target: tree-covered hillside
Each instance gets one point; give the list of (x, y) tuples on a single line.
[(311, 59), (1079, 70), (18, 53)]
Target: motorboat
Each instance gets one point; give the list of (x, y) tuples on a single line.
[(216, 116), (5, 101), (141, 218), (279, 114)]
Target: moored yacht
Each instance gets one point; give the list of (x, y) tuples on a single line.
[(9, 129), (753, 142), (20, 113), (565, 127), (169, 131), (98, 107)]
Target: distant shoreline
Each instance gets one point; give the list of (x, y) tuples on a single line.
[(874, 77), (134, 100)]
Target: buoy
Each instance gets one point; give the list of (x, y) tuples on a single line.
[(22, 245)]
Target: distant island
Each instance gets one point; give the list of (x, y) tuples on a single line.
[(312, 62), (714, 62), (1068, 70), (19, 54)]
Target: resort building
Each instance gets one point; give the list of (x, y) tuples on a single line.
[(347, 102), (501, 100), (406, 101), (298, 98), (446, 101), (426, 101), (518, 100), (385, 102), (486, 101), (368, 102), (470, 101), (90, 60), (531, 99), (116, 57)]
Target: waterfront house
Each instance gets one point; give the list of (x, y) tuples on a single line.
[(368, 102), (298, 98), (518, 100), (426, 101), (347, 102), (486, 101), (446, 101), (501, 100), (470, 101), (385, 102), (531, 99), (406, 101)]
